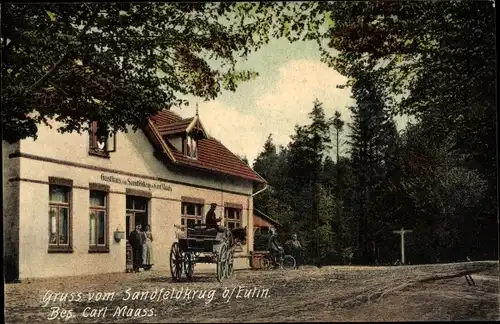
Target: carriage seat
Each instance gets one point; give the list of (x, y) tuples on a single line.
[(207, 227), (201, 231)]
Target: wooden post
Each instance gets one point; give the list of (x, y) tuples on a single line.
[(402, 232)]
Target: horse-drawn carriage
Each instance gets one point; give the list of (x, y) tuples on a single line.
[(205, 244)]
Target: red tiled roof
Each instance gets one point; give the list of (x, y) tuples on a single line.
[(212, 154), (258, 213), (165, 117), (174, 128)]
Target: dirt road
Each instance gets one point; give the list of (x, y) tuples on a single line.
[(312, 294)]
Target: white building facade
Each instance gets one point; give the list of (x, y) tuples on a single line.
[(69, 197)]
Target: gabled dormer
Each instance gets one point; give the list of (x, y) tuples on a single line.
[(184, 135), (173, 138)]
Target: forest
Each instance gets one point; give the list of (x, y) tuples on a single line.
[(344, 208), (436, 177)]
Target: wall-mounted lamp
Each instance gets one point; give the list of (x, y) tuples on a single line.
[(119, 235)]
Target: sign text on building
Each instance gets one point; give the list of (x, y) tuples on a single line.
[(136, 183)]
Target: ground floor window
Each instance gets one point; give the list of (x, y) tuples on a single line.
[(191, 214), (98, 217), (59, 217), (232, 217)]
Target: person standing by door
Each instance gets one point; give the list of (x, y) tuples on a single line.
[(147, 257), (136, 240)]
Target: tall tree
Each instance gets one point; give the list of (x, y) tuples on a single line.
[(307, 151), (440, 58), (119, 63), (338, 125), (266, 160), (266, 165), (445, 198), (319, 131), (369, 141), (300, 175)]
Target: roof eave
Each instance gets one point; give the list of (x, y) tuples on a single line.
[(182, 132), (159, 139), (266, 217), (220, 173), (191, 124)]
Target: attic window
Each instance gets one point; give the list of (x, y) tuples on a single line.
[(190, 147), (100, 144)]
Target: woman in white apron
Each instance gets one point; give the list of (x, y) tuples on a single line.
[(147, 248)]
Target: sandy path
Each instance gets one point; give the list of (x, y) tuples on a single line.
[(329, 293)]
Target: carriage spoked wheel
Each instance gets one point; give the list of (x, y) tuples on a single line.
[(176, 261), (265, 263), (230, 263), (189, 265), (222, 263), (288, 262)]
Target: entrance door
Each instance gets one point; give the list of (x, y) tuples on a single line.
[(134, 219), (129, 262), (136, 214), (130, 224)]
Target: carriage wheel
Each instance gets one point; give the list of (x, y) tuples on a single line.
[(222, 263), (230, 263), (288, 262), (265, 263), (189, 265), (176, 261)]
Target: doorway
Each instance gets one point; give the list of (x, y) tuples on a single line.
[(136, 214)]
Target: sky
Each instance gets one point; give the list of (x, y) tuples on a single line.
[(291, 77)]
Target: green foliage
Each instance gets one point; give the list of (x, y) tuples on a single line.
[(372, 133), (266, 160), (444, 197), (337, 122), (300, 196), (431, 60), (119, 63), (348, 254), (244, 159), (437, 62)]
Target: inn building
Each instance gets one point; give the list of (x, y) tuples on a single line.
[(70, 200)]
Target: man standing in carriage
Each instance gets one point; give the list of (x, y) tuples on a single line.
[(211, 219)]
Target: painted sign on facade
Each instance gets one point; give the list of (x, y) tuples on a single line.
[(135, 182)]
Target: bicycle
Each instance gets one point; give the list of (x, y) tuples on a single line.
[(300, 257), (283, 261), (298, 253)]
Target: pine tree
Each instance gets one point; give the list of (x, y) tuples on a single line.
[(265, 165), (300, 175), (371, 140), (338, 125), (307, 152), (319, 131)]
